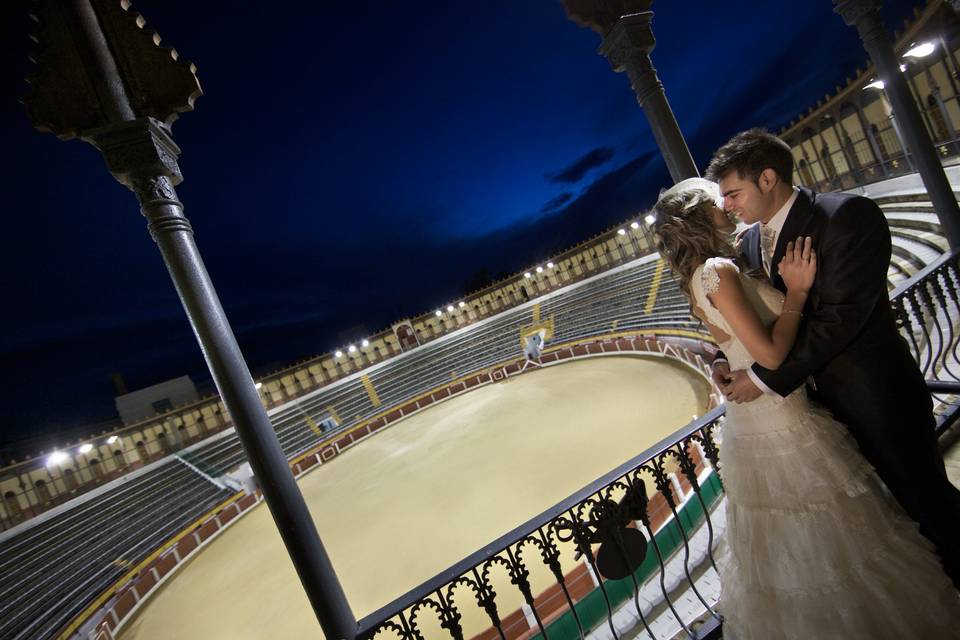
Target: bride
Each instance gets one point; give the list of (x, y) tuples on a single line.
[(815, 547)]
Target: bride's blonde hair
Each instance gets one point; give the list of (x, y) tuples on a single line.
[(686, 235)]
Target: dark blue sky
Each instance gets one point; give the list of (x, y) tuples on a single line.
[(353, 163)]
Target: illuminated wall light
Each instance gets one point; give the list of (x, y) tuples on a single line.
[(113, 439), (438, 313), (634, 225), (352, 349), (876, 84), (86, 447), (461, 304), (903, 67), (650, 218), (365, 343), (450, 308), (539, 269), (527, 275), (621, 232), (549, 265), (56, 457), (258, 385), (338, 354)]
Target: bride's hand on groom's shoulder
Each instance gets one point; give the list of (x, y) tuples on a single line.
[(798, 268)]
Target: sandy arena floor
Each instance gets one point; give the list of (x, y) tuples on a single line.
[(428, 491)]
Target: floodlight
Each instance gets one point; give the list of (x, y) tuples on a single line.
[(352, 349), (56, 457), (449, 308), (527, 275), (365, 343), (621, 232), (113, 439), (338, 354), (920, 50), (86, 447), (634, 225), (438, 313), (461, 304), (549, 265), (876, 84), (539, 269), (650, 219), (258, 385)]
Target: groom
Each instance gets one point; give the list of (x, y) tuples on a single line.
[(849, 350)]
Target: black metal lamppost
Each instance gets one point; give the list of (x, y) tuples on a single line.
[(625, 26), (102, 78), (865, 16)]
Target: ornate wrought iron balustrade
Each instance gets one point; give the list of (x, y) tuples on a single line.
[(647, 526), (927, 309)]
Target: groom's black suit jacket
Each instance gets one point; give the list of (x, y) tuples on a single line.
[(848, 343)]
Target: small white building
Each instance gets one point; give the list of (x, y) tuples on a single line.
[(143, 403)]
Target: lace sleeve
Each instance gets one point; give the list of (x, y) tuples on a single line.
[(710, 278)]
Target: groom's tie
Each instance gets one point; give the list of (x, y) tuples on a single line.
[(768, 242)]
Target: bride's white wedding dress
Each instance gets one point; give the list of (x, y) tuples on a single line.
[(815, 547)]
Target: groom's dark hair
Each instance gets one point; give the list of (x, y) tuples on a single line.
[(749, 153)]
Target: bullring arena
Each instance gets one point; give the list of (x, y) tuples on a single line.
[(464, 486), (448, 479)]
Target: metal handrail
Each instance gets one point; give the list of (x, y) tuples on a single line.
[(369, 622)]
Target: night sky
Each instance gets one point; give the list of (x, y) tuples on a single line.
[(350, 164)]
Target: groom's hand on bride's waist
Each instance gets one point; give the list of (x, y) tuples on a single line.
[(740, 388), (720, 373)]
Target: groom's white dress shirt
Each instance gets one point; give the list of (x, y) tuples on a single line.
[(772, 229)]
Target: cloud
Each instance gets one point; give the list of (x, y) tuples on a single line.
[(575, 172), (555, 203)]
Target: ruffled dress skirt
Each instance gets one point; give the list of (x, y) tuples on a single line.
[(815, 547)]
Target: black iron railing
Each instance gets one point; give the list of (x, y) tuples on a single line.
[(927, 308), (629, 536)]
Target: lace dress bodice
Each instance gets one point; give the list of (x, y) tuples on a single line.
[(765, 299)]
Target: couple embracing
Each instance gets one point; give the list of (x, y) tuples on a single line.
[(841, 522)]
